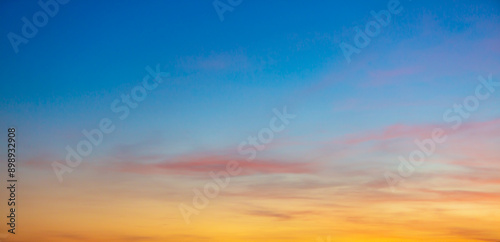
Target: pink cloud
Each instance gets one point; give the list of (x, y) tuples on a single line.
[(206, 164), (481, 129), (479, 178), (462, 195)]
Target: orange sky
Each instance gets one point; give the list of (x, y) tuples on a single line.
[(445, 200)]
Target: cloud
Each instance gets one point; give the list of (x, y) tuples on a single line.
[(72, 236), (480, 177), (265, 213), (218, 62), (137, 238), (384, 77), (205, 164), (390, 132), (474, 234), (480, 129), (463, 195)]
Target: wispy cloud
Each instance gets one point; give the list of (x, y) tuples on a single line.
[(206, 164), (237, 61)]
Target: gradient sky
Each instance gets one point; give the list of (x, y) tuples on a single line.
[(321, 179)]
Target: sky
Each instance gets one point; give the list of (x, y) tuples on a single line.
[(235, 120)]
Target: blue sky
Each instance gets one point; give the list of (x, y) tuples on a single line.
[(233, 71)]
